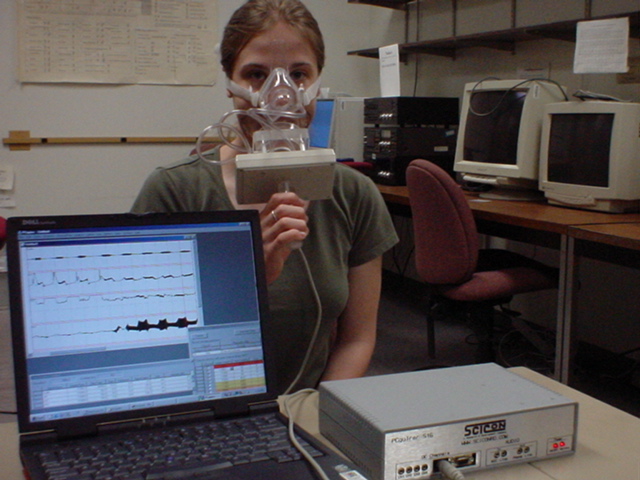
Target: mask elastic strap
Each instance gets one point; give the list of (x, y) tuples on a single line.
[(244, 93), (311, 93)]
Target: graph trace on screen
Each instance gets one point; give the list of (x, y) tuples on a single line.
[(105, 296)]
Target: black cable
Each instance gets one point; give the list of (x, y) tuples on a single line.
[(507, 92)]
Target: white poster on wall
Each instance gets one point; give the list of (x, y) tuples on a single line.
[(389, 71), (602, 46), (169, 42)]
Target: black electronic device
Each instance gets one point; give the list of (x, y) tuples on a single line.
[(390, 149), (392, 171), (393, 141), (411, 111)]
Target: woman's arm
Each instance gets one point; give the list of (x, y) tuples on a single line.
[(356, 330)]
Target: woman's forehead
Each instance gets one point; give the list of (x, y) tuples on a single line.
[(280, 46)]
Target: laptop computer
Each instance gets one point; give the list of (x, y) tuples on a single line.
[(129, 325)]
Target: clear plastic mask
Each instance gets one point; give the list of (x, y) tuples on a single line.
[(278, 93), (275, 107)]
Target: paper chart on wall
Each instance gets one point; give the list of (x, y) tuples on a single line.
[(389, 71), (168, 42), (602, 46)]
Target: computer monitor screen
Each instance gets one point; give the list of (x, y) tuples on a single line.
[(579, 146), (499, 136), (590, 155), (320, 130), (491, 135)]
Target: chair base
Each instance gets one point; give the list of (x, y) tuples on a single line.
[(479, 316), (491, 324)]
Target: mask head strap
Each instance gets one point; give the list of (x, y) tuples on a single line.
[(310, 94), (244, 93)]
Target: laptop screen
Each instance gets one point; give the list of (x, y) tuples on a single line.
[(132, 315)]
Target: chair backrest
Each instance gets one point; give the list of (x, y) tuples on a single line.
[(445, 234)]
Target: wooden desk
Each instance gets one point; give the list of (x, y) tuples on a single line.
[(607, 440), (550, 226), (531, 215), (623, 235)]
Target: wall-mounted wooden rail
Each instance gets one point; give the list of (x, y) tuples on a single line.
[(20, 140)]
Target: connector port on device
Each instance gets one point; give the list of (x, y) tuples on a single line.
[(466, 460), (459, 461), (412, 470)]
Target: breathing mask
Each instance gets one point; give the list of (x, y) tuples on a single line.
[(278, 95), (275, 107)]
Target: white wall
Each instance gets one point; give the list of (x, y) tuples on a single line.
[(98, 179)]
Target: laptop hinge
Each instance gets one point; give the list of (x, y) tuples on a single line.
[(229, 410), (263, 407), (38, 437), (155, 422)]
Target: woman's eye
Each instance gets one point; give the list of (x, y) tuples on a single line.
[(257, 76), (298, 76)]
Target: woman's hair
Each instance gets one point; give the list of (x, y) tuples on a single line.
[(257, 16)]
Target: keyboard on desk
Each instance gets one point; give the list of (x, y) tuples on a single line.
[(182, 452)]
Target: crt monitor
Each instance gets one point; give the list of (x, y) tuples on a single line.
[(499, 135), (590, 155)]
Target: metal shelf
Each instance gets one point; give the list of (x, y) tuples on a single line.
[(505, 40)]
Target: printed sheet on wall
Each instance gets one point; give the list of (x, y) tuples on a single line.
[(167, 42)]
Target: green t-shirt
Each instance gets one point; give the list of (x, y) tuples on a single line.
[(349, 229)]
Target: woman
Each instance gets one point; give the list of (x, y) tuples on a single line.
[(343, 237)]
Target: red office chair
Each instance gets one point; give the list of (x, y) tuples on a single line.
[(450, 262)]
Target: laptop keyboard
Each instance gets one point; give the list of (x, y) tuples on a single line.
[(174, 453)]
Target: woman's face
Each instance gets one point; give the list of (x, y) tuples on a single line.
[(281, 46)]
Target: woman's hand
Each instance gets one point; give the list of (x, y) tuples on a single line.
[(284, 227)]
